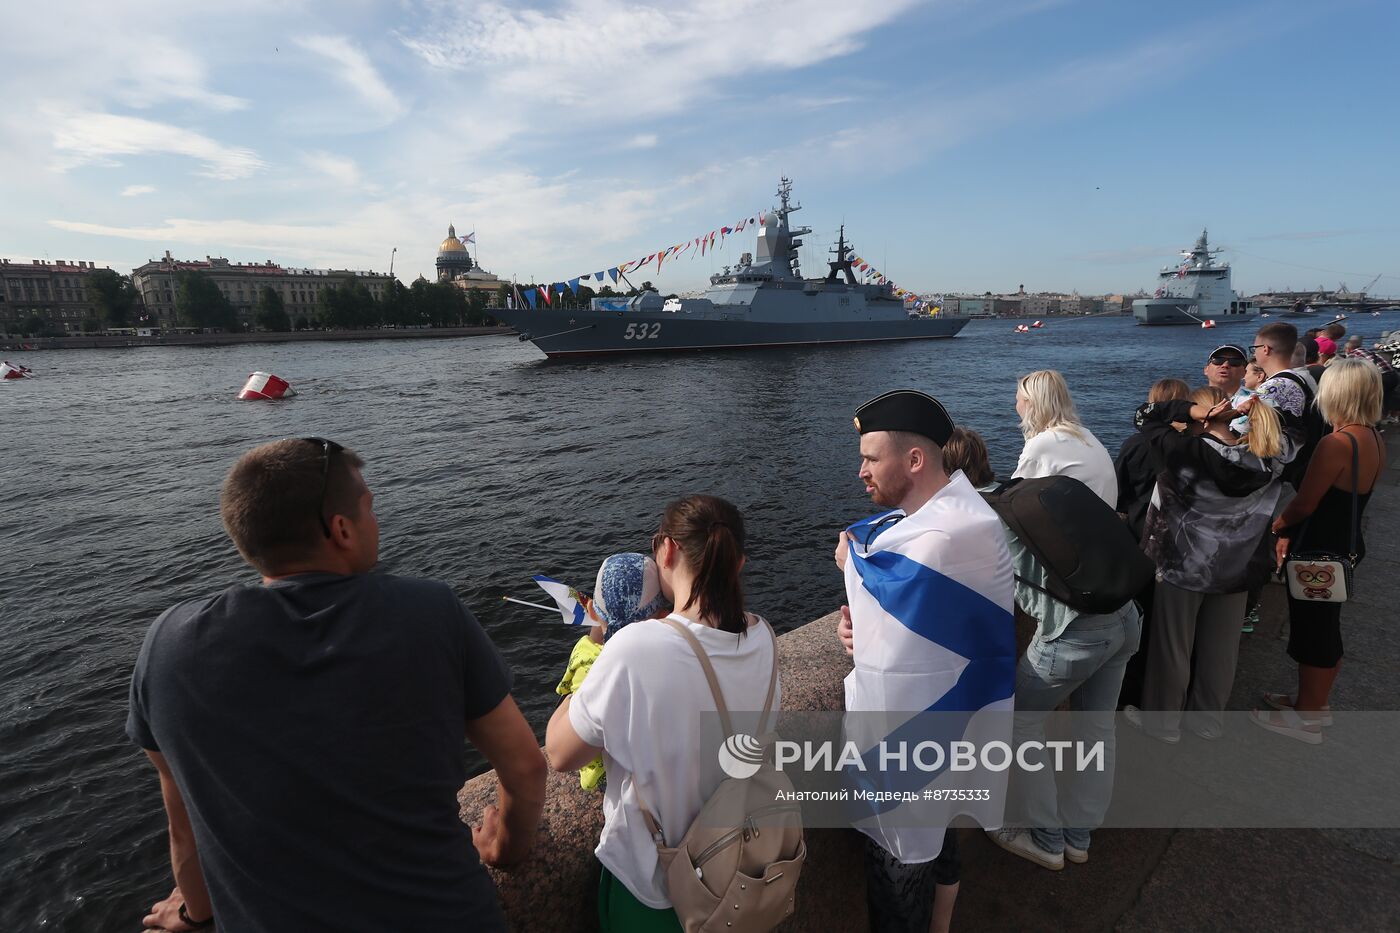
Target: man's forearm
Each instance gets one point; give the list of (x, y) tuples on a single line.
[(189, 875), (184, 857), (521, 800)]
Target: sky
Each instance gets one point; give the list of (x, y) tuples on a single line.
[(967, 146)]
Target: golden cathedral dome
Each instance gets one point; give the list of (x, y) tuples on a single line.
[(452, 244)]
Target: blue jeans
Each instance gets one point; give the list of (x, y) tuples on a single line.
[(1084, 665)]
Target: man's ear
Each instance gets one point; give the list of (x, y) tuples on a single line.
[(917, 458)]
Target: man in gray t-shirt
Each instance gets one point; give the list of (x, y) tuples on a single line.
[(309, 730)]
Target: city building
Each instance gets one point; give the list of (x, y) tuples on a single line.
[(456, 266), (1040, 305), (241, 284), (54, 292), (1076, 304)]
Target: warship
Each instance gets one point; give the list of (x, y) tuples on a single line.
[(1194, 292), (762, 301)]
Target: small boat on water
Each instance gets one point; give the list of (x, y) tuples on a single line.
[(1195, 291), (10, 370)]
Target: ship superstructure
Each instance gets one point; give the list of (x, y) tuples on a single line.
[(1195, 291)]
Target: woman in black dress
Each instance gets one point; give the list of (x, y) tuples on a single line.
[(1320, 519)]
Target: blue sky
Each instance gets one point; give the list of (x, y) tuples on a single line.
[(967, 146)]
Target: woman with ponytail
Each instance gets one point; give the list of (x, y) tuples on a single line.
[(644, 702)]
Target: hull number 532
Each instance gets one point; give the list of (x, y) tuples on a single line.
[(642, 331)]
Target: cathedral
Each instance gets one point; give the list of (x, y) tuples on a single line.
[(452, 257), (456, 267)]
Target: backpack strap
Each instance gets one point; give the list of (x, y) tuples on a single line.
[(710, 675), (653, 827)]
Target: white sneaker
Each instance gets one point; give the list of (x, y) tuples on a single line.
[(1019, 842), (1134, 717), (1077, 856)]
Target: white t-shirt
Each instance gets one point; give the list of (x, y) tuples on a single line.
[(1057, 452), (642, 702)]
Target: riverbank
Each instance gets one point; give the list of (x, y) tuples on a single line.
[(101, 341), (1138, 880)]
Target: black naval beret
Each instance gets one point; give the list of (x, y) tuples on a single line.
[(906, 410)]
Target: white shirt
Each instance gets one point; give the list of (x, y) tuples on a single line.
[(1057, 452), (643, 702)]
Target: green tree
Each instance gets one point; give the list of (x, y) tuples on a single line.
[(34, 326), (200, 303), (272, 312), (395, 306), (115, 296), (347, 306), (502, 296), (476, 307)]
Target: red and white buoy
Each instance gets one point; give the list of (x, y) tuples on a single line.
[(9, 370), (1207, 324), (1037, 324), (261, 385)]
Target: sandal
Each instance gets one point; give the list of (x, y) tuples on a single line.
[(1284, 701), (1289, 724)]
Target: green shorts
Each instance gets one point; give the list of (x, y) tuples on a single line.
[(619, 911)]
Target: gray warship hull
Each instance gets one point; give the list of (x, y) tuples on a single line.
[(573, 334), (1166, 311)]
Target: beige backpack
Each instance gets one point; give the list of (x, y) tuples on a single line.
[(736, 868)]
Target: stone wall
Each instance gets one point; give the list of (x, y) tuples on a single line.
[(556, 891)]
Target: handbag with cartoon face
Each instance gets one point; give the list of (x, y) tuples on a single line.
[(1319, 576)]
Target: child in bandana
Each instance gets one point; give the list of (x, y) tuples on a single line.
[(628, 590)]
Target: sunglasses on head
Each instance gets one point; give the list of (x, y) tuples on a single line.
[(327, 449), (1226, 361)]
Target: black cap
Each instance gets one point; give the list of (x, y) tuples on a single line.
[(906, 410), (1229, 348)]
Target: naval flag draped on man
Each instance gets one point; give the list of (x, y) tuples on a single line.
[(931, 597)]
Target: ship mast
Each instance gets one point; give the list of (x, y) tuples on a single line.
[(842, 262), (788, 236)]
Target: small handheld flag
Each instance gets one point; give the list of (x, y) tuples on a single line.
[(573, 605)]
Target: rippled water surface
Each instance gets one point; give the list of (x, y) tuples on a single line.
[(488, 464)]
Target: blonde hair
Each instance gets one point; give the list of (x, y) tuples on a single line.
[(1168, 390), (1049, 405), (1209, 396), (1265, 437), (1351, 393)]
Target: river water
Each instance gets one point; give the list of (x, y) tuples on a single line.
[(488, 463)]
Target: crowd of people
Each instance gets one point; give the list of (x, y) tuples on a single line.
[(308, 730)]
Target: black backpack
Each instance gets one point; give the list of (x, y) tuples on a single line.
[(1092, 563), (1313, 426)]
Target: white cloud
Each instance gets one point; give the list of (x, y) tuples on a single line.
[(97, 137), (506, 207), (353, 67), (134, 191), (643, 141), (583, 59), (337, 168)]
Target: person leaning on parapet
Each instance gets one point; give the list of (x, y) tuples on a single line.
[(956, 602), (308, 729), (1225, 368)]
